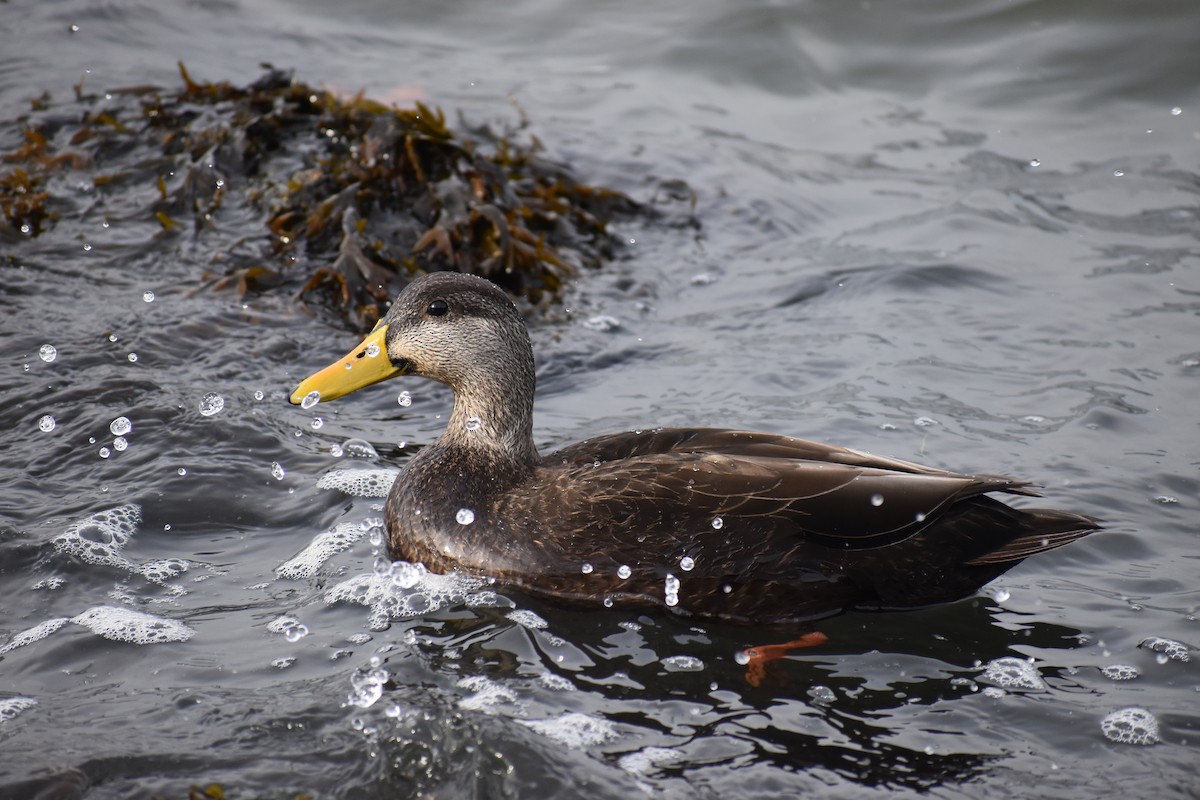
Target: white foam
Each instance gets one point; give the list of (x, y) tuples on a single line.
[(1013, 673), (487, 694), (162, 570), (574, 729), (556, 683), (306, 563), (359, 482), (641, 762), (1176, 651), (34, 634), (10, 707), (527, 619), (682, 664), (1131, 726), (1120, 672), (389, 601), (99, 538), (127, 625)]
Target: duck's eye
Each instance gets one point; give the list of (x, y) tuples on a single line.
[(438, 308)]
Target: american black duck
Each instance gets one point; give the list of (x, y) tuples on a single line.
[(752, 527)]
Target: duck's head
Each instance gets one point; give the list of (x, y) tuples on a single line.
[(458, 329)]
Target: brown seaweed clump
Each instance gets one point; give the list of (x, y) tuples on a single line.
[(285, 185)]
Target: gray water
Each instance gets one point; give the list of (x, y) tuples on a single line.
[(958, 233)]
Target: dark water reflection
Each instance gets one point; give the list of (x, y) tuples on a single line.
[(964, 235)]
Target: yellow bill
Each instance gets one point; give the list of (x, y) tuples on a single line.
[(366, 364)]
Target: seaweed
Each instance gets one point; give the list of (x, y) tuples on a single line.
[(350, 198)]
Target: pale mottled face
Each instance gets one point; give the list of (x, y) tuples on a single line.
[(457, 329)]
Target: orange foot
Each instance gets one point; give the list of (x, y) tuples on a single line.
[(759, 657)]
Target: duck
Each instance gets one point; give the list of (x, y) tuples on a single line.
[(742, 526)]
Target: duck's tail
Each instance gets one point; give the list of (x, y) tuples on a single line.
[(1043, 529)]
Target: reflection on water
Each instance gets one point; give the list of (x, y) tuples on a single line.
[(961, 236)]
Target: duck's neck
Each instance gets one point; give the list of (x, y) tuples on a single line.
[(492, 425)]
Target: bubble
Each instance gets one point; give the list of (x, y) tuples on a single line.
[(876, 500), (465, 516), (404, 399), (212, 403), (120, 426), (258, 394), (46, 424), (317, 423), (132, 357), (624, 571), (310, 399), (105, 452), (148, 296), (120, 443), (47, 353), (359, 448), (718, 523), (277, 470), (1035, 162), (586, 569), (1176, 111), (822, 695), (1120, 672), (474, 423), (296, 632), (687, 564), (1131, 726)]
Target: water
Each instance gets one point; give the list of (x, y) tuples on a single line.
[(912, 240)]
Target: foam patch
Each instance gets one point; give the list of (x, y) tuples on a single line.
[(136, 627), (573, 729), (1131, 726), (10, 707), (34, 634), (1013, 673), (1175, 651), (359, 482), (306, 563), (100, 538), (388, 598)]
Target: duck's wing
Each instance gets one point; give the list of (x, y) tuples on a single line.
[(827, 495)]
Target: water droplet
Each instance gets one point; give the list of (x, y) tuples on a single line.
[(310, 399), (104, 452), (317, 423), (404, 399), (1118, 173), (1176, 111), (687, 564), (211, 404), (474, 423), (919, 516), (1035, 162), (148, 296), (258, 395), (586, 568), (48, 353), (465, 516), (167, 527), (608, 601), (112, 337), (46, 424), (624, 571), (876, 500), (120, 426), (181, 471), (671, 584), (120, 443), (372, 350), (294, 633), (277, 470), (335, 450), (132, 357), (718, 523), (87, 248), (672, 600)]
